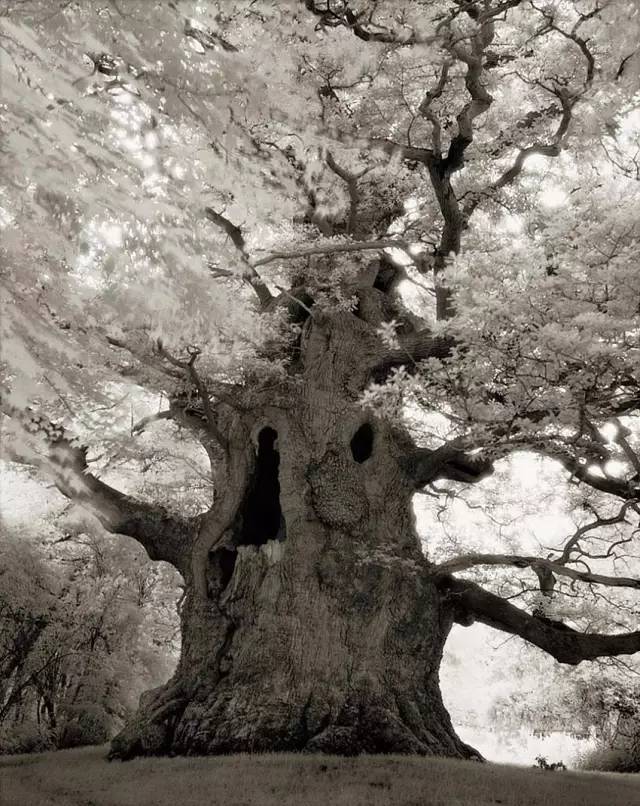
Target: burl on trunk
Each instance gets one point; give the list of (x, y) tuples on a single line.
[(308, 623)]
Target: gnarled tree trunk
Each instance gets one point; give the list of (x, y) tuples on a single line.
[(312, 620), (308, 623)]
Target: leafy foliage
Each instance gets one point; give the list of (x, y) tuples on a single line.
[(187, 185), (84, 631)]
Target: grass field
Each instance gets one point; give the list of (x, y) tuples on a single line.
[(84, 778)]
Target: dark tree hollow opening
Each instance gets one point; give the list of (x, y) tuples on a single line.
[(261, 517), (362, 443), (227, 559)]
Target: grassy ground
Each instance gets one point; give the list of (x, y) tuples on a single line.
[(85, 778)]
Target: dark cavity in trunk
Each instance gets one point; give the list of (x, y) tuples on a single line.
[(260, 517), (362, 443)]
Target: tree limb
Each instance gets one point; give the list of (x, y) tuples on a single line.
[(479, 97), (573, 544), (567, 99), (412, 348), (341, 15), (627, 489), (549, 149), (425, 111), (351, 181), (250, 275), (46, 445), (406, 152), (572, 35), (331, 249), (141, 425), (466, 561), (566, 645), (191, 372), (441, 169), (449, 461)]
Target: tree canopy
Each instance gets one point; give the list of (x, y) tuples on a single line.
[(190, 190)]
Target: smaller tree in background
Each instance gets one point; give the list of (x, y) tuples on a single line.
[(84, 630)]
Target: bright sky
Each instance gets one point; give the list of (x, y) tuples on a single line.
[(475, 653)]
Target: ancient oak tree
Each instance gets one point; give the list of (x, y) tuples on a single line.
[(359, 249)]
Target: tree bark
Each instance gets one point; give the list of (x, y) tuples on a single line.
[(311, 619), (308, 622)]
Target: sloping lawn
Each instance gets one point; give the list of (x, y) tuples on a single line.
[(84, 778)]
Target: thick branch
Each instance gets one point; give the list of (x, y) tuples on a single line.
[(142, 424), (568, 100), (549, 149), (450, 238), (466, 561), (208, 39), (479, 98), (621, 488), (441, 170), (351, 181), (425, 111), (412, 348), (331, 249), (340, 15), (566, 645), (449, 461), (407, 152), (46, 445), (183, 415), (191, 372)]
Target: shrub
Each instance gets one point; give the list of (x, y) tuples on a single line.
[(611, 759), (543, 764), (84, 728), (25, 737)]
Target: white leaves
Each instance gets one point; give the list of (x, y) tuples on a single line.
[(387, 332), (545, 294)]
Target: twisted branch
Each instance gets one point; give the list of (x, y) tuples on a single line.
[(566, 645)]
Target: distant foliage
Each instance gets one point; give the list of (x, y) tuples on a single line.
[(598, 702), (85, 627), (619, 750), (613, 759), (543, 764)]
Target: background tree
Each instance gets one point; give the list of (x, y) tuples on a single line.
[(378, 208), (84, 632)]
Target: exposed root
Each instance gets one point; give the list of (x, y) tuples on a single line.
[(150, 731)]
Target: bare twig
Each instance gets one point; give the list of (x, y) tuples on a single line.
[(573, 543), (250, 275), (189, 367)]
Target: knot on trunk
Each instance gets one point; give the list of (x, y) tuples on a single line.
[(337, 493)]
